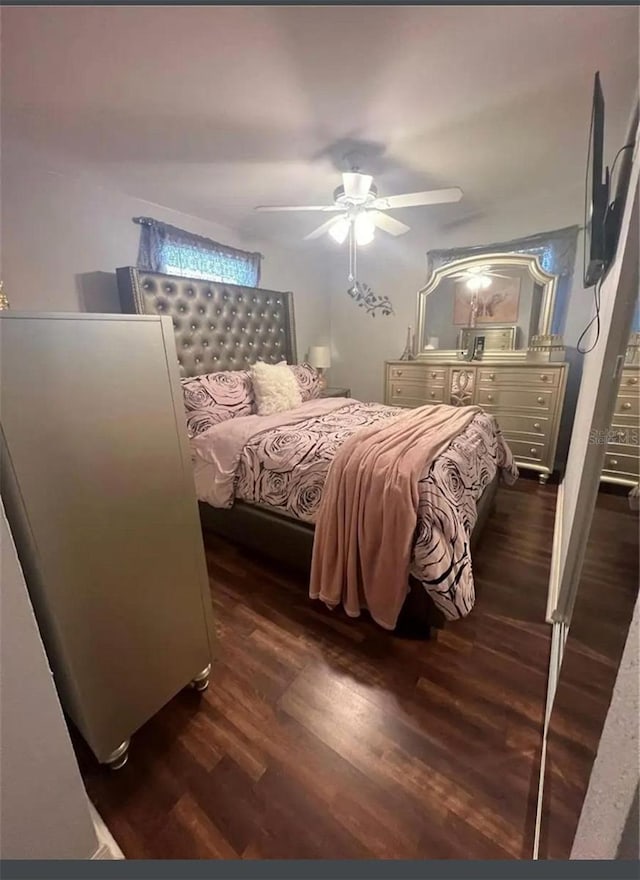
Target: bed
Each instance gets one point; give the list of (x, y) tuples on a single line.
[(226, 327)]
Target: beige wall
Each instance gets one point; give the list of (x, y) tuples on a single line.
[(64, 234), (44, 809)]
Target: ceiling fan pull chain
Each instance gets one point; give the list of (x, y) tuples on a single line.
[(352, 254)]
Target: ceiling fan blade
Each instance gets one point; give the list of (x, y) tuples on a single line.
[(320, 230), (497, 275), (298, 208), (356, 185), (414, 200), (389, 224)]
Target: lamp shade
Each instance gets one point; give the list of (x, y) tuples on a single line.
[(365, 228), (320, 357), (340, 229)]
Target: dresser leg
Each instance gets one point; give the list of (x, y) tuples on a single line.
[(118, 757), (201, 681), (543, 479)]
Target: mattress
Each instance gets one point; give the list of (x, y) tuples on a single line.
[(284, 468)]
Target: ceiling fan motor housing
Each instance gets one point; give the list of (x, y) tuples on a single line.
[(348, 201)]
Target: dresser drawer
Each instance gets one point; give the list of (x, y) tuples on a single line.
[(622, 451), (403, 393), (621, 463), (516, 399), (528, 451), (538, 377), (630, 382), (495, 338), (624, 438), (418, 373), (627, 404), (623, 466), (534, 427)]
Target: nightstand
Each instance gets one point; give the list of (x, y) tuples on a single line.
[(335, 392)]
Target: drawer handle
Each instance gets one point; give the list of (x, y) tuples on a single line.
[(399, 372), (433, 394), (632, 381), (544, 377), (536, 426), (398, 390), (492, 376), (626, 405), (541, 400), (534, 452), (489, 396), (433, 375), (613, 462)]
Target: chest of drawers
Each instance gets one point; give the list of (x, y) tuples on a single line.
[(622, 454), (526, 399)]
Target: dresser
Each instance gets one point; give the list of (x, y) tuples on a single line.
[(98, 488), (622, 455), (526, 397)]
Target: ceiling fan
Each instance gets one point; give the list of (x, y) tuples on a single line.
[(361, 210), (478, 277)]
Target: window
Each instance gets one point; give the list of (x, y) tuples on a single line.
[(175, 251)]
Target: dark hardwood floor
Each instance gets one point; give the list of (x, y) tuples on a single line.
[(321, 737)]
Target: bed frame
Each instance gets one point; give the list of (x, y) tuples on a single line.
[(221, 326)]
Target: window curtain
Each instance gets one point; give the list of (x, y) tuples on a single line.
[(556, 252), (174, 251)]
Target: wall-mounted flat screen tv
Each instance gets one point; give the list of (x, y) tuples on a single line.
[(596, 194)]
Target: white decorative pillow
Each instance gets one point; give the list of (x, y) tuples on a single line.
[(275, 388)]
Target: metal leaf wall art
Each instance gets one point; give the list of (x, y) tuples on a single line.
[(370, 301)]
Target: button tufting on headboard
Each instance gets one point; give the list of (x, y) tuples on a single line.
[(215, 327)]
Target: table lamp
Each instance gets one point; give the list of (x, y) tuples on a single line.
[(320, 359)]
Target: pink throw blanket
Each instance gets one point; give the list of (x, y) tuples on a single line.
[(369, 510)]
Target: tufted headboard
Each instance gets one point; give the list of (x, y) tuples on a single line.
[(217, 326)]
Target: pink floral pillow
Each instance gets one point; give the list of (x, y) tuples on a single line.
[(215, 397), (308, 381)]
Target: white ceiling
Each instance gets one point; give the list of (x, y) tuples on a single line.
[(212, 110)]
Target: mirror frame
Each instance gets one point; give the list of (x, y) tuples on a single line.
[(504, 260)]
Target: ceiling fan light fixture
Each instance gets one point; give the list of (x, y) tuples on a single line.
[(478, 282), (339, 230), (365, 228)]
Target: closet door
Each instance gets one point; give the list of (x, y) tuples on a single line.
[(590, 619), (101, 491), (601, 374)]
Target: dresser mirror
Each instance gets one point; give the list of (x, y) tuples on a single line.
[(490, 305)]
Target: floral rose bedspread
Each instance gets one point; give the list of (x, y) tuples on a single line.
[(285, 468)]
